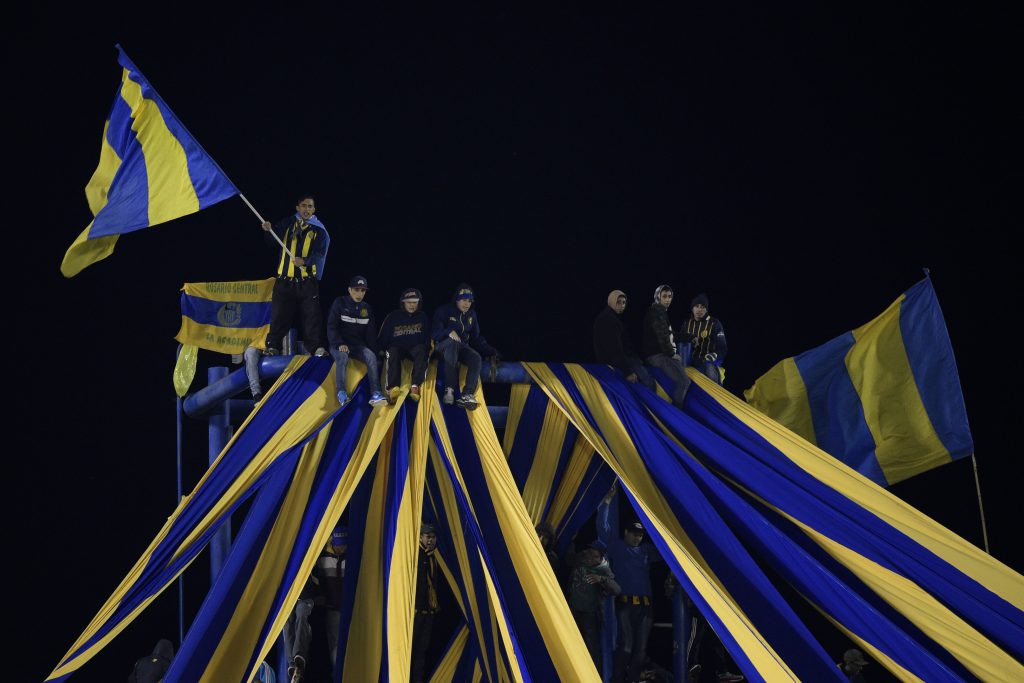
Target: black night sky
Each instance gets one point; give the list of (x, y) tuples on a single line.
[(799, 165)]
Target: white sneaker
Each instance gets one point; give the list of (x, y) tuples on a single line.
[(320, 352), (449, 397)]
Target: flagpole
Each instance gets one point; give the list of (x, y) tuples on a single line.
[(253, 208), (981, 508)]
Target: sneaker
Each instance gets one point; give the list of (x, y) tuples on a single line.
[(467, 401), (257, 397), (320, 352), (393, 395), (449, 397), (297, 668), (378, 398), (728, 677), (414, 392), (271, 351), (342, 397)]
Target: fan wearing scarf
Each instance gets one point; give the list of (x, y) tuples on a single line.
[(297, 285), (427, 604)]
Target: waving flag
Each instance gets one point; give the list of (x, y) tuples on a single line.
[(151, 170), (884, 398)]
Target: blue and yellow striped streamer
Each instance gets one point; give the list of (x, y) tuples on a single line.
[(826, 584), (735, 605), (225, 317), (562, 490), (239, 470), (235, 632), (885, 398), (151, 170), (966, 601)]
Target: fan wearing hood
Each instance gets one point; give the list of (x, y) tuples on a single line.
[(405, 334), (659, 345), (612, 346), (456, 330)]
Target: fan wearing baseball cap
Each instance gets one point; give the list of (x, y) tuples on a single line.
[(630, 558), (456, 331), (351, 331)]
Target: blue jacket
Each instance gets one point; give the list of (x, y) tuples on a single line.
[(352, 324), (632, 565), (449, 318), (404, 330)]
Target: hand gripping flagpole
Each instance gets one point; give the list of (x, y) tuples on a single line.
[(253, 208)]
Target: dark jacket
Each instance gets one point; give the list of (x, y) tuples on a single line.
[(611, 343), (351, 323), (311, 242), (151, 669), (427, 584), (705, 336), (404, 330), (466, 325), (658, 332)]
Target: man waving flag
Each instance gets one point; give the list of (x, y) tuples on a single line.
[(151, 170)]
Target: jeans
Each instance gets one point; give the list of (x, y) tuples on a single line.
[(636, 366), (709, 370), (297, 631), (589, 624), (369, 359), (459, 352), (252, 368), (396, 354), (634, 622), (332, 621), (673, 367)]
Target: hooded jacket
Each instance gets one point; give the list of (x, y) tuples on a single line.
[(658, 332), (448, 318), (612, 345), (405, 330)]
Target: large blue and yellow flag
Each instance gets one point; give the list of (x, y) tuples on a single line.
[(151, 170), (884, 398)]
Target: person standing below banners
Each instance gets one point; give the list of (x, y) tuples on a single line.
[(427, 604), (297, 632), (630, 559), (591, 580), (707, 339), (612, 345), (659, 346), (853, 665), (405, 333), (297, 285), (456, 330), (331, 566), (352, 331)]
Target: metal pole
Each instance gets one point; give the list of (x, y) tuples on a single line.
[(680, 631), (219, 434), (253, 209), (181, 577), (981, 508)]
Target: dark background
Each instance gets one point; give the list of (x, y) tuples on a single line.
[(799, 165)]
